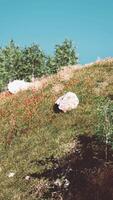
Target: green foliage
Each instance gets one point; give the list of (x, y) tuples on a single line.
[(105, 117), (104, 128), (51, 65), (4, 77), (31, 62), (65, 54), (10, 63), (10, 58)]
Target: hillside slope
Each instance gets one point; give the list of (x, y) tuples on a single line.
[(35, 140)]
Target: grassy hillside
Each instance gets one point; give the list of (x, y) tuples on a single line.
[(32, 135)]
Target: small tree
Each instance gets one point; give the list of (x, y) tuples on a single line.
[(33, 61), (4, 78), (10, 60), (51, 66), (65, 54)]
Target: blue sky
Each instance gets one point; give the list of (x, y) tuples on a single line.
[(89, 23)]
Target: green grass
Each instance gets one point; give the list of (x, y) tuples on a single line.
[(30, 130)]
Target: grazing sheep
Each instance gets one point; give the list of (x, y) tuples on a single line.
[(67, 102)]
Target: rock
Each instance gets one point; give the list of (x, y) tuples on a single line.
[(67, 102), (66, 183), (11, 174), (27, 178), (17, 86), (58, 182)]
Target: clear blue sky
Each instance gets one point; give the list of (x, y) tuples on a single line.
[(89, 23)]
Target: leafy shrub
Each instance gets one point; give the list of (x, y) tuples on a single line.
[(51, 65), (31, 62), (65, 54), (10, 63), (3, 78), (104, 128)]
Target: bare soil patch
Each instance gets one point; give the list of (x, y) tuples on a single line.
[(84, 174)]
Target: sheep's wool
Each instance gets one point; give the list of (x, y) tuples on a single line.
[(67, 102), (18, 85)]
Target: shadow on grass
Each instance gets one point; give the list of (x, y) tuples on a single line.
[(84, 174), (56, 109)]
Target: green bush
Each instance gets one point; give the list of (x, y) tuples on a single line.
[(65, 54), (10, 61), (28, 62), (104, 129), (33, 62), (51, 66)]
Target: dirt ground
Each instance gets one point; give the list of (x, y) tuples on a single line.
[(84, 174)]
